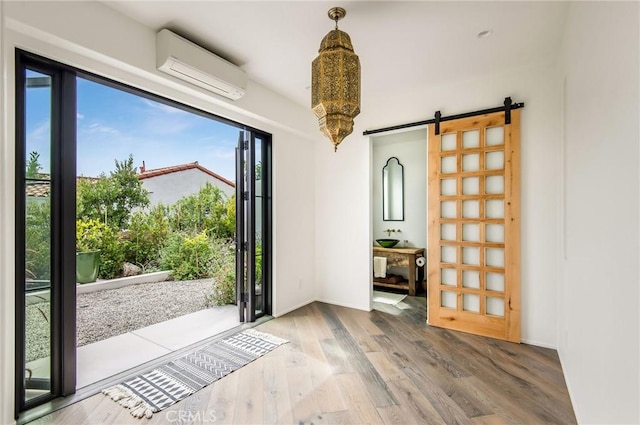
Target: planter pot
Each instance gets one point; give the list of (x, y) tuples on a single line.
[(87, 264)]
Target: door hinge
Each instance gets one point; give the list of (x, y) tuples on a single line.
[(245, 196), (245, 297), (243, 246), (245, 145)]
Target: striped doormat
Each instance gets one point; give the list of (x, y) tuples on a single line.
[(158, 389)]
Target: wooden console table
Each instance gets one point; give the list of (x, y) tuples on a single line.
[(401, 257)]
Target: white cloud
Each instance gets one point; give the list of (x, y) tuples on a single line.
[(98, 128), (161, 107), (40, 132)]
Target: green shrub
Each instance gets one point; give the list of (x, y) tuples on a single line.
[(223, 271), (188, 257), (259, 259), (223, 290), (206, 211), (146, 237), (38, 239), (95, 235)]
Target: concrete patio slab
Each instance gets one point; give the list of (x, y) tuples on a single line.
[(186, 330), (111, 356)]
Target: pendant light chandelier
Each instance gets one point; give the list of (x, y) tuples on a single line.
[(335, 83)]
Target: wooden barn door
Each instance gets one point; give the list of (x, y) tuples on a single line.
[(474, 226)]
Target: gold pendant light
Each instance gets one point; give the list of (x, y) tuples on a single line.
[(335, 83)]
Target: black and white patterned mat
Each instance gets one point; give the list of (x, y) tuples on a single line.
[(158, 389)]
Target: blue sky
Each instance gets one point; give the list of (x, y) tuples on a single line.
[(113, 124)]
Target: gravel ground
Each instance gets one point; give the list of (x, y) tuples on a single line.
[(103, 314), (37, 331)]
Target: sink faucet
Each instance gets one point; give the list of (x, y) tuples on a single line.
[(390, 231)]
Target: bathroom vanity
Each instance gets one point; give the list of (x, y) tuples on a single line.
[(401, 257)]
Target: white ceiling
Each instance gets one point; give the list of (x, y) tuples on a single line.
[(401, 45)]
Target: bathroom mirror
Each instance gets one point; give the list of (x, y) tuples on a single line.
[(393, 190)]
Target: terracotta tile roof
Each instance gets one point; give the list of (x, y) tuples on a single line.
[(145, 174), (38, 190), (42, 189)]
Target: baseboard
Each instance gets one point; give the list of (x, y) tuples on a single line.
[(539, 344), (304, 303), (295, 307), (569, 387), (355, 307)]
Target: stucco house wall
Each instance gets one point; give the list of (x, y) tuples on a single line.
[(169, 188)]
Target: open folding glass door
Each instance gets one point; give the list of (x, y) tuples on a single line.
[(253, 209), (474, 225), (45, 233)]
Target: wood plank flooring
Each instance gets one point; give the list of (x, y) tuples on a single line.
[(345, 366)]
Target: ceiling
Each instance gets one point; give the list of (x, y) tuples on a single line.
[(401, 45)]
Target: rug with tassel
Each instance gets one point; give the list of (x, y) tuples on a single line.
[(153, 391)]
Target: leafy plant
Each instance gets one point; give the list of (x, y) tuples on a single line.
[(38, 239), (146, 237), (188, 257), (223, 291), (112, 199), (33, 166), (208, 210), (95, 235), (223, 271)]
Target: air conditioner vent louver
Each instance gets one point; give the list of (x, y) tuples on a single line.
[(183, 59)]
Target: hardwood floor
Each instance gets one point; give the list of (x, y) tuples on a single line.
[(345, 366)]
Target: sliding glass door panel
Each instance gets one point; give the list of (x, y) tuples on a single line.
[(37, 234)]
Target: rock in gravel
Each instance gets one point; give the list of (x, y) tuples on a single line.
[(131, 270)]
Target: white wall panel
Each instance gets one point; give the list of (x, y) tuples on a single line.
[(598, 294)]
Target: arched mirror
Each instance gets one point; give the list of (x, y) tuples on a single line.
[(393, 190)]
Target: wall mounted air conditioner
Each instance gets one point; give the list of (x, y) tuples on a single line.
[(181, 58)]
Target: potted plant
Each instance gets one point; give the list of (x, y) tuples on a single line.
[(87, 251)]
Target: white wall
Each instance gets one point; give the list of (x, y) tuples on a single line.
[(95, 38), (343, 188), (169, 188), (598, 296), (410, 147)]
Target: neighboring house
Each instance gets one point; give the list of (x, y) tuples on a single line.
[(168, 184)]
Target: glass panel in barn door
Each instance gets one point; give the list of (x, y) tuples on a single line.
[(474, 241)]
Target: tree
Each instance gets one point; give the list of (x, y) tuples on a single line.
[(206, 211), (112, 199), (33, 166)]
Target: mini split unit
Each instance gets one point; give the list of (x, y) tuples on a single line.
[(183, 59)]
